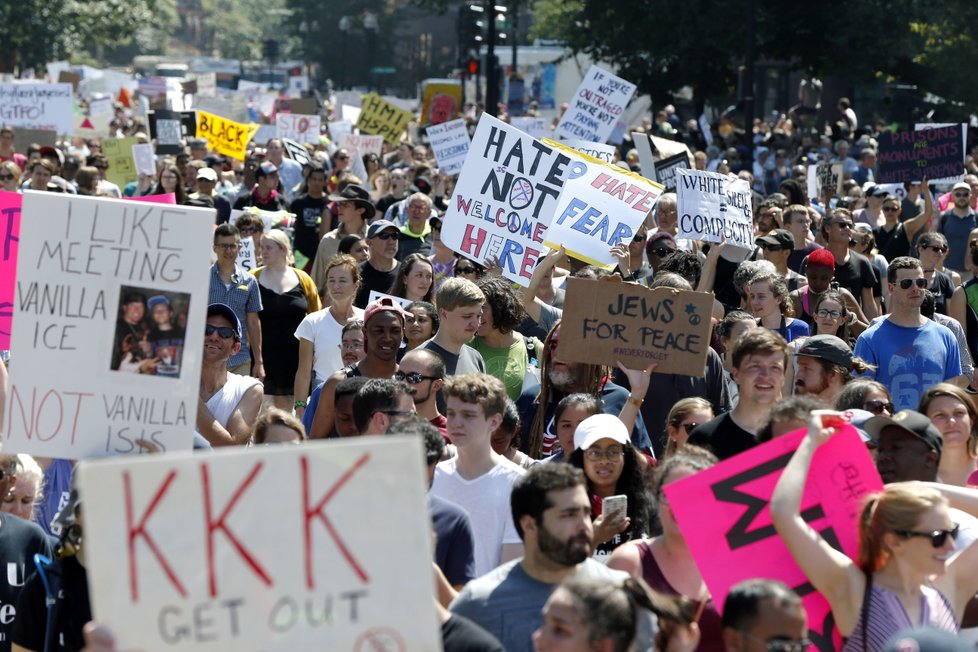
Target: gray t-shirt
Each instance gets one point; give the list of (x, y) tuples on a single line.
[(468, 360)]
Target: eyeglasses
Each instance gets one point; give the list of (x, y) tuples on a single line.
[(662, 251), (688, 427), (229, 247), (937, 538), (248, 230), (612, 454), (640, 238), (412, 378), (6, 177), (225, 332), (878, 407), (823, 313), (854, 242), (465, 270), (844, 225), (890, 209), (387, 235), (351, 346), (907, 282), (774, 248), (343, 158), (937, 249), (962, 195), (781, 644)]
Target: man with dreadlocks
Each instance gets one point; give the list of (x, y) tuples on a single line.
[(559, 378)]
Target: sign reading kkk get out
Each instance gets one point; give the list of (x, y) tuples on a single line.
[(606, 321), (378, 116), (323, 546), (226, 136)]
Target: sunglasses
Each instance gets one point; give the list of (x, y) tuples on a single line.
[(890, 209), (854, 242), (465, 270), (387, 235), (877, 407), (962, 195), (662, 251), (688, 427), (225, 332), (639, 238), (412, 378), (907, 282), (248, 230), (844, 225), (937, 249), (770, 247), (343, 158), (6, 177), (937, 538)]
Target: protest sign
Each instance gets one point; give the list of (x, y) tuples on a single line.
[(84, 275), (298, 127), (246, 254), (593, 111), (350, 114), (122, 167), (296, 151), (166, 198), (824, 175), (364, 144), (665, 170), (9, 240), (227, 137), (896, 189), (206, 84), (600, 151), (606, 321), (713, 207), (70, 77), (600, 206), (168, 128), (144, 160), (653, 151), (450, 143), (340, 128), (43, 137), (54, 69), (274, 548), (504, 199), (357, 168), (91, 126), (298, 105), (724, 515), (536, 127), (265, 133), (378, 116), (908, 156), (37, 106), (377, 296), (441, 100), (101, 106), (964, 148), (298, 85)]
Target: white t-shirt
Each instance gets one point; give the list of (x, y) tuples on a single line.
[(322, 329), (486, 500)]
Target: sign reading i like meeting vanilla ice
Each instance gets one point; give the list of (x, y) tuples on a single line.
[(103, 289), (596, 107)]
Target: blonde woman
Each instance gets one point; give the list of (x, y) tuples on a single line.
[(10, 174)]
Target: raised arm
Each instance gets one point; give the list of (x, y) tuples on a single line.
[(528, 295), (638, 383), (962, 572), (924, 220)]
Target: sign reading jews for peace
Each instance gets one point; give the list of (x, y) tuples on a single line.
[(37, 106), (227, 137), (607, 321), (378, 116), (323, 546), (724, 515), (504, 198), (102, 288), (600, 206), (596, 106), (715, 207), (450, 143), (908, 156)]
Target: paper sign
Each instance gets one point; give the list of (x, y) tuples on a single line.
[(207, 84), (724, 516), (536, 127), (450, 143), (665, 170), (601, 206), (377, 296), (341, 128), (144, 159), (504, 199), (350, 114), (227, 137), (91, 126), (166, 127), (301, 128), (122, 167), (441, 100), (9, 240), (86, 268), (606, 321), (365, 144), (908, 156), (595, 108), (378, 116), (821, 176), (37, 106), (246, 254), (274, 548), (69, 77), (601, 151), (296, 151), (25, 137), (298, 85), (964, 147), (713, 207)]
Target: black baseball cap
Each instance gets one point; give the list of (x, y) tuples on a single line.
[(913, 423), (829, 348)]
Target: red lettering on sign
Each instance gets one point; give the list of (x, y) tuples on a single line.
[(472, 241), (140, 531)]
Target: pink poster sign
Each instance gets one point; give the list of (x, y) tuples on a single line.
[(168, 198), (9, 238), (724, 514)]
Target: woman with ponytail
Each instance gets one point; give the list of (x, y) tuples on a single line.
[(907, 573)]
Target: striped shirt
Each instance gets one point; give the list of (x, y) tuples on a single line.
[(887, 617), (242, 296)]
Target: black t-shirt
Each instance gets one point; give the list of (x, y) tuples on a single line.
[(373, 279), (268, 204), (308, 212), (855, 274), (797, 256), (722, 436), (459, 634), (20, 540), (72, 611)]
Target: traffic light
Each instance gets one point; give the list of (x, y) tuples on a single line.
[(295, 72), (469, 28), (269, 49), (473, 66)]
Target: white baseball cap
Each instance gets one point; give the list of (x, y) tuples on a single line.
[(597, 427)]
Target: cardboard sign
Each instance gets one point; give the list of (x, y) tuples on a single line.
[(606, 321), (9, 240), (142, 156), (69, 77), (37, 106), (274, 548), (536, 127), (377, 296), (441, 100), (908, 156), (227, 137), (25, 137), (450, 143), (724, 515), (821, 176), (951, 180), (122, 167), (714, 207), (665, 170), (504, 199), (85, 269), (601, 151), (599, 101), (298, 127), (363, 144), (246, 254), (378, 116), (601, 206)]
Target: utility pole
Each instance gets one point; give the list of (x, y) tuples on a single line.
[(492, 75)]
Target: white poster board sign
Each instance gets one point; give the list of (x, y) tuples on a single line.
[(300, 128), (323, 546), (377, 296), (450, 143), (144, 158), (822, 175), (350, 114), (536, 127), (713, 207), (600, 151), (207, 84), (594, 110), (365, 144), (37, 106), (90, 273), (298, 85), (246, 254), (340, 128)]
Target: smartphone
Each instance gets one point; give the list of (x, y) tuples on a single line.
[(617, 503), (830, 418)]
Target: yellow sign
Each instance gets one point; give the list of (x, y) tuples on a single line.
[(442, 101), (122, 166), (378, 116), (226, 136)]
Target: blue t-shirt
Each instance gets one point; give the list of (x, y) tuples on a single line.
[(909, 360), (956, 230)]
